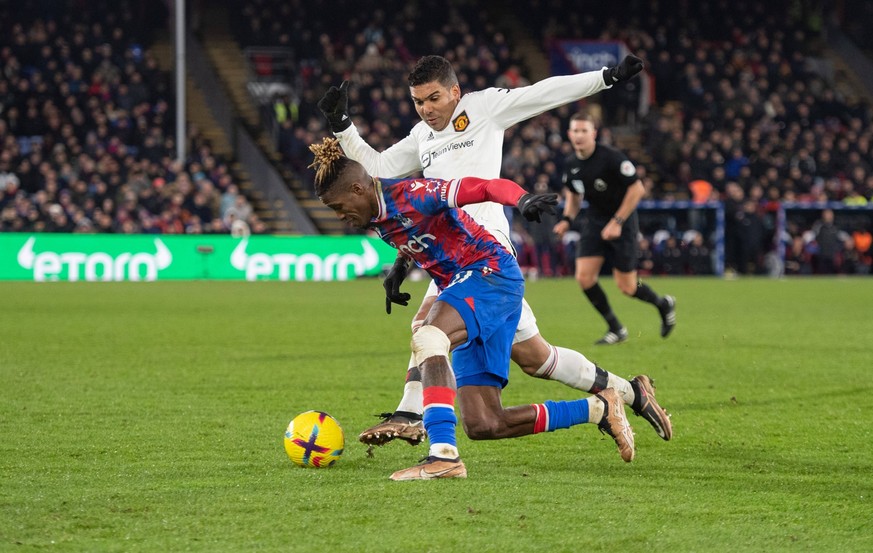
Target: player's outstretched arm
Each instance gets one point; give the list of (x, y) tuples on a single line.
[(471, 190), (508, 107)]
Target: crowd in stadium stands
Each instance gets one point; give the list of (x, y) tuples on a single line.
[(743, 113), (87, 131)]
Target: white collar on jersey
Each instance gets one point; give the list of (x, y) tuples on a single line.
[(382, 209)]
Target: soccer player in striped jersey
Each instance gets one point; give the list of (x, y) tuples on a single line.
[(461, 135), (475, 314)]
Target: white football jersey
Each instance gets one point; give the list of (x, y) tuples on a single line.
[(471, 145)]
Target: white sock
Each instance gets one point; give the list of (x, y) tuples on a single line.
[(622, 386), (576, 371), (445, 451), (595, 410), (413, 394)]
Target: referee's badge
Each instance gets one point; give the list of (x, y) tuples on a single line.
[(627, 168)]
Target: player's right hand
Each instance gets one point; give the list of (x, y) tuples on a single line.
[(335, 107), (392, 283)]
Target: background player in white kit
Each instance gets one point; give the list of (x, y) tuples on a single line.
[(462, 135)]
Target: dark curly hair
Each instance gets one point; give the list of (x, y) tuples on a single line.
[(329, 164), (433, 68)]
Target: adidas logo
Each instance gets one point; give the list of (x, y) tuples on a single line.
[(430, 136), (345, 117)]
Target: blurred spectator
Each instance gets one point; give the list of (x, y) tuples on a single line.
[(545, 242), (669, 258), (733, 205), (698, 255), (239, 211), (525, 251), (829, 241), (86, 141), (701, 191), (862, 241), (645, 258), (798, 259), (750, 239)]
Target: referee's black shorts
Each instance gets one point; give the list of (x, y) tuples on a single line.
[(622, 251)]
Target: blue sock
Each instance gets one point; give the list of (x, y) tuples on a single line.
[(564, 414), (440, 423)]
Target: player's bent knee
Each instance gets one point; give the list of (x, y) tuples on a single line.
[(429, 341), (529, 356), (628, 289), (529, 370), (586, 281)]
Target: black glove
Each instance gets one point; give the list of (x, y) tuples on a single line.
[(335, 106), (629, 66), (392, 284), (532, 205)]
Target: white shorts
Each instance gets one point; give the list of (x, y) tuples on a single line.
[(527, 324)]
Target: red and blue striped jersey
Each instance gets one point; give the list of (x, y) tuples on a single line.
[(419, 217)]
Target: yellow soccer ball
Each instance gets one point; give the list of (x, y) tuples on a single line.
[(314, 439)]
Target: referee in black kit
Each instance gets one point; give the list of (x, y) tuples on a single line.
[(606, 178)]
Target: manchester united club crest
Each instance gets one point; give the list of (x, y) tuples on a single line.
[(461, 122)]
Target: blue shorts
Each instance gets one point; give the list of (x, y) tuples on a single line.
[(490, 305)]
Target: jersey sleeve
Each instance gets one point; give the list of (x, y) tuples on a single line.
[(398, 161), (509, 106), (624, 169), (572, 183), (473, 190)]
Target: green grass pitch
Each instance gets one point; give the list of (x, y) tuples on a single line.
[(149, 417)]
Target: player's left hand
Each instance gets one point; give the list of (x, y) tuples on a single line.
[(532, 206), (629, 66), (392, 283)]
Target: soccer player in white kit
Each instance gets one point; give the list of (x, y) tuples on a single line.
[(462, 135)]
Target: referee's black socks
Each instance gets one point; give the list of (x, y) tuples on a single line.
[(648, 295), (598, 299)]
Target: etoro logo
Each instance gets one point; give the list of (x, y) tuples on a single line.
[(97, 266), (305, 266)]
